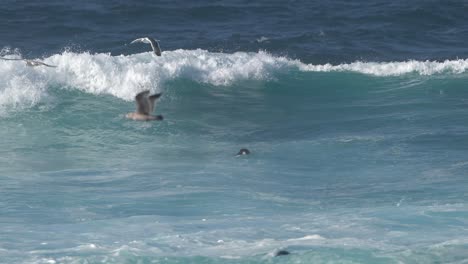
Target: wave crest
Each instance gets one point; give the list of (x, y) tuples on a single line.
[(123, 76), (393, 68)]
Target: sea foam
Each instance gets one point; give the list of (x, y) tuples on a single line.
[(393, 68)]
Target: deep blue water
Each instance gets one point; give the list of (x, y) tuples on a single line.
[(355, 114)]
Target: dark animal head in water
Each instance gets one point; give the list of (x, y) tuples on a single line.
[(282, 253), (243, 151)]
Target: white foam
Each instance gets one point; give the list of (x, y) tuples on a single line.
[(20, 87), (393, 68), (308, 237), (123, 76), (453, 242)]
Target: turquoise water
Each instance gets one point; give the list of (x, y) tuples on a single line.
[(354, 158)]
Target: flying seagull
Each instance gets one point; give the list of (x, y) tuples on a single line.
[(32, 63), (145, 106), (154, 44)]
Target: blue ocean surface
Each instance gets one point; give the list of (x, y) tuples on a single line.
[(355, 114)]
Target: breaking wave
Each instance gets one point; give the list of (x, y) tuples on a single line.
[(123, 76)]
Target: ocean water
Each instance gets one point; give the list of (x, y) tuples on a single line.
[(355, 113)]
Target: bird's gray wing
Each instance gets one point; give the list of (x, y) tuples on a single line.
[(9, 59), (38, 63), (152, 101), (155, 46), (143, 106)]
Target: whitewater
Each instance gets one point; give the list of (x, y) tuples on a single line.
[(124, 76)]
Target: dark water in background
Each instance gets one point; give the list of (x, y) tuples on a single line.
[(355, 113), (312, 31)]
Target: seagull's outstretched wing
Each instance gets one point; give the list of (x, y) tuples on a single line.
[(152, 101), (143, 106), (154, 44), (34, 63), (9, 59)]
